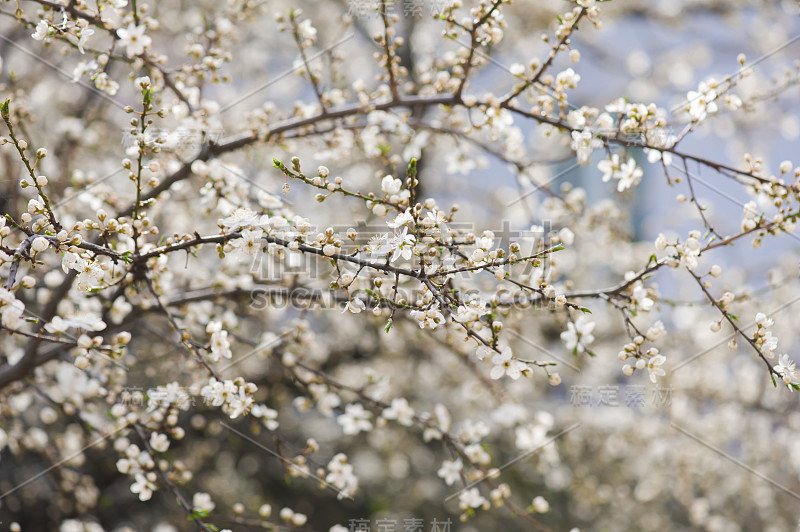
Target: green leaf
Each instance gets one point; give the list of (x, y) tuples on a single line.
[(197, 514), (585, 310), (388, 326), (4, 108), (411, 171)]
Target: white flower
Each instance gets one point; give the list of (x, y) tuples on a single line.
[(654, 156), (578, 334), (529, 437), (540, 505), (584, 143), (233, 399), (202, 502), (39, 244), (83, 67), (134, 39), (609, 167), (250, 242), (85, 34), (159, 442), (505, 364), (89, 321), (640, 297), (306, 30), (240, 217), (786, 367), (568, 79), (629, 175), (42, 29), (483, 351), (567, 236), (750, 216), (11, 314), (471, 311), (390, 185), (471, 498), (450, 471), (763, 321), (106, 84), (655, 331), (401, 411), (618, 106), (143, 487), (403, 245), (768, 344), (379, 245), (355, 419), (220, 346), (56, 326), (119, 310), (341, 475), (355, 305), (654, 367), (430, 318), (701, 102), (401, 219)]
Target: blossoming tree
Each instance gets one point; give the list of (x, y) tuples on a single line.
[(363, 272)]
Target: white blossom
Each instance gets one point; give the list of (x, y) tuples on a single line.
[(133, 39), (578, 334), (355, 419)]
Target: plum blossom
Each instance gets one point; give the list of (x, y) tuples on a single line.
[(450, 471), (403, 245), (11, 314), (133, 39), (143, 486), (629, 175), (234, 397), (202, 502), (390, 185), (654, 368), (472, 498), (401, 219), (786, 367), (341, 475), (578, 334), (568, 79), (85, 34), (42, 30), (430, 318), (400, 411), (159, 442), (355, 419), (751, 216), (354, 305), (584, 143), (641, 298), (505, 364), (701, 102)]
